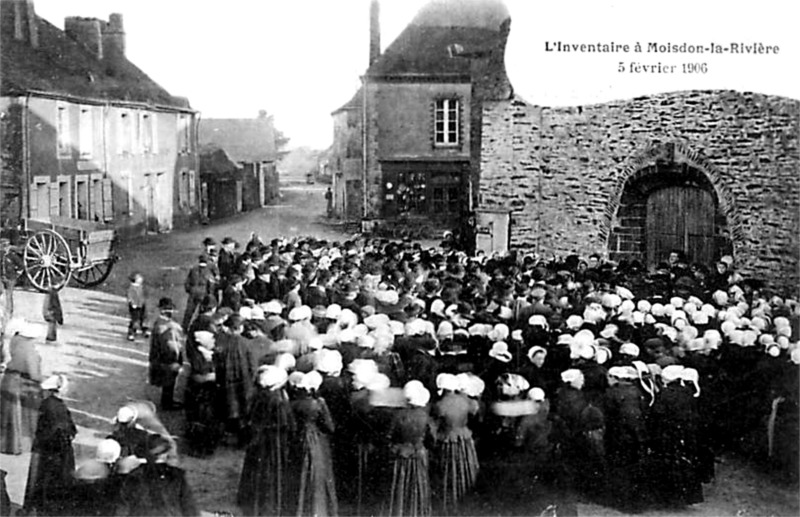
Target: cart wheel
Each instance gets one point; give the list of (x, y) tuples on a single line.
[(94, 274), (47, 261)]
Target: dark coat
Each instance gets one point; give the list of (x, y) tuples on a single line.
[(236, 366), (314, 467), (263, 486), (166, 351), (675, 446), (156, 489), (200, 281), (52, 459)]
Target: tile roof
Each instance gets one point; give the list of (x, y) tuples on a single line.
[(245, 140), (354, 103), (215, 162), (430, 50), (62, 66)]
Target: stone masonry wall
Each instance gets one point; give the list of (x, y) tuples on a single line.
[(564, 170)]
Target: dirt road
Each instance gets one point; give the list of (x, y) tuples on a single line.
[(106, 370)]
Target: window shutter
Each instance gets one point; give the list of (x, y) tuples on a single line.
[(33, 201), (108, 200), (54, 200), (192, 190)]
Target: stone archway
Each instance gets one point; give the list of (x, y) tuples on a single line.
[(669, 198)]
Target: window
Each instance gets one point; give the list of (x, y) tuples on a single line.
[(147, 133), (184, 133), (62, 127), (446, 122), (445, 200), (125, 133), (411, 187), (86, 132), (126, 208), (192, 189), (183, 189)]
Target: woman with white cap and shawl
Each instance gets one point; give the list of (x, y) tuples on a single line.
[(625, 408), (455, 458), (411, 428), (675, 478), (263, 486), (19, 389), (317, 488), (52, 459)]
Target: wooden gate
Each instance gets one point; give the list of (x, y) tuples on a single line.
[(680, 218)]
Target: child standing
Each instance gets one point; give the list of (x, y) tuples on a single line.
[(136, 306), (53, 314)]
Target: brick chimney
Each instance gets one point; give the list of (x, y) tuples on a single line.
[(87, 32), (113, 38), (374, 32), (26, 24)]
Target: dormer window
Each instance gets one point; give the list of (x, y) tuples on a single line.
[(447, 123)]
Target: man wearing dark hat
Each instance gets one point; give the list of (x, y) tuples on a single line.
[(200, 282), (227, 259), (166, 352)]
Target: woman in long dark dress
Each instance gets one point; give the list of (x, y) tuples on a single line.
[(675, 443), (202, 424), (263, 487), (19, 389), (53, 460), (317, 488), (411, 426), (455, 458)]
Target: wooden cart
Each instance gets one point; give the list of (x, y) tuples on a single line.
[(55, 251)]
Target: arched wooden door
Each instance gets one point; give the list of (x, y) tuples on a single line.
[(680, 218)]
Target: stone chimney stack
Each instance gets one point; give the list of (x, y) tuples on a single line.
[(374, 31), (87, 32), (113, 38), (26, 24)]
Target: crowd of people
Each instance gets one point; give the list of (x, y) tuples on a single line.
[(381, 377)]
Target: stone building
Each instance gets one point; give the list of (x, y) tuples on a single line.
[(250, 143), (407, 146), (705, 172), (86, 134)]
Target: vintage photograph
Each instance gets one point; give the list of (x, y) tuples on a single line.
[(399, 258)]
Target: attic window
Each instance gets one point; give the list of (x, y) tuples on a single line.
[(454, 49)]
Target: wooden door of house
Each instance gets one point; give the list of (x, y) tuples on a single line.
[(680, 218), (151, 220)]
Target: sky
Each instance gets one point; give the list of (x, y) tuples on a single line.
[(301, 59)]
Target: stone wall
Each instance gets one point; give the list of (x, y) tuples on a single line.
[(564, 170)]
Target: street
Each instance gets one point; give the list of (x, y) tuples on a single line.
[(105, 370)]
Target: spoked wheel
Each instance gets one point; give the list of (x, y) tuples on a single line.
[(47, 261), (94, 274)]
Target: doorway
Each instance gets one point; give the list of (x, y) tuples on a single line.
[(680, 218), (666, 207)]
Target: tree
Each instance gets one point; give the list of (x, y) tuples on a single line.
[(281, 140)]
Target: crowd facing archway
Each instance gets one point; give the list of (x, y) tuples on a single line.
[(372, 376)]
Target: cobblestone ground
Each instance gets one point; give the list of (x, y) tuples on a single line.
[(105, 370)]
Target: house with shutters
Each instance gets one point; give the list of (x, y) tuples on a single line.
[(407, 146), (86, 134)]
